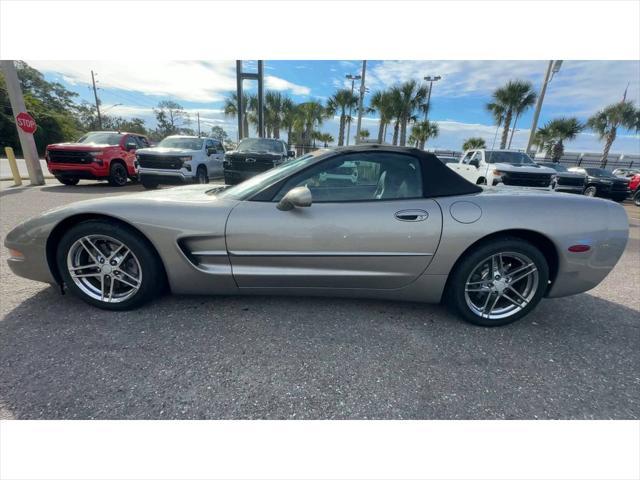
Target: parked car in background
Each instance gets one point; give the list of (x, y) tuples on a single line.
[(634, 188), (96, 156), (408, 229), (626, 172), (448, 159), (602, 183), (564, 180), (180, 159), (507, 167), (253, 156)]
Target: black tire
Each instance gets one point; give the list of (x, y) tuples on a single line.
[(118, 175), (201, 175), (152, 273), (636, 198), (481, 181), (134, 179), (590, 191), (148, 184), (455, 294), (68, 180), (229, 180)]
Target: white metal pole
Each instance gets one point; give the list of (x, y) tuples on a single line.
[(534, 124), (28, 144)]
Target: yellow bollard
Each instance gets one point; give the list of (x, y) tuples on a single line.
[(14, 166)]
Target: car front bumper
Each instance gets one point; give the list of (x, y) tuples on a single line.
[(165, 176), (569, 188)]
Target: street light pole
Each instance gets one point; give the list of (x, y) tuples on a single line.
[(353, 79), (552, 69), (430, 79), (361, 102)]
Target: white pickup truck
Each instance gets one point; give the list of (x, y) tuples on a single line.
[(180, 159), (502, 167)]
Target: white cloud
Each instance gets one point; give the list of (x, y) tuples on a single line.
[(193, 81), (584, 85), (276, 83)]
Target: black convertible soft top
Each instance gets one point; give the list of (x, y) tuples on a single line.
[(438, 180)]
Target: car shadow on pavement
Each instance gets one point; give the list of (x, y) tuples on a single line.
[(315, 358), (95, 188)]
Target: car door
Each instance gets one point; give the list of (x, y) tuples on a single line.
[(376, 232)]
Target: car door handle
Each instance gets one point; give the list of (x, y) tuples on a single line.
[(411, 215)]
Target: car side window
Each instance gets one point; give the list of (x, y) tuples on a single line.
[(208, 144), (131, 139), (142, 141), (467, 157), (218, 146), (370, 176)]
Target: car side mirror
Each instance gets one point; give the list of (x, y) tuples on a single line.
[(291, 153), (475, 163), (130, 146), (211, 150), (296, 197)]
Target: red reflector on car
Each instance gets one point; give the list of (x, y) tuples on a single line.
[(579, 248)]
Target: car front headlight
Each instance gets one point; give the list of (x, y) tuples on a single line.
[(95, 154), (498, 173), (185, 159)]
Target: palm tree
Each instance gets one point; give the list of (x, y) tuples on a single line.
[(543, 139), (395, 110), (231, 110), (423, 131), (497, 111), (512, 99), (364, 133), (341, 101), (559, 131), (412, 97), (289, 113), (275, 104), (606, 123), (381, 101), (325, 138), (473, 143), (310, 114)]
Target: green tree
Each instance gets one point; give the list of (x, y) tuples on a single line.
[(473, 143), (509, 101), (310, 115), (607, 121), (289, 113), (171, 118), (364, 133), (423, 131), (231, 110), (340, 102), (543, 139), (218, 133)]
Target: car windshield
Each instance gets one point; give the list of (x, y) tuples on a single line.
[(260, 145), (250, 187), (186, 143), (597, 172), (101, 138), (556, 166), (512, 158)]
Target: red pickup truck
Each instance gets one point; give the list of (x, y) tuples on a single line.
[(96, 156)]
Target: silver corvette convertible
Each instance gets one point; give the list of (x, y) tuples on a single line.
[(404, 227)]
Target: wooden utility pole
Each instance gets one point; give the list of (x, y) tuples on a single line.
[(27, 143), (95, 94)]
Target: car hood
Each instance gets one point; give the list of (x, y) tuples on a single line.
[(79, 146), (507, 167), (570, 174), (165, 151)]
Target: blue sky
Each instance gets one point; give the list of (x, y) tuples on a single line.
[(458, 100)]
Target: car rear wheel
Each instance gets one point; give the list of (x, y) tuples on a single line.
[(68, 180), (118, 175), (590, 191), (500, 282), (201, 175), (109, 265), (636, 198)]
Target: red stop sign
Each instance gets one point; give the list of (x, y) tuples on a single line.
[(26, 122)]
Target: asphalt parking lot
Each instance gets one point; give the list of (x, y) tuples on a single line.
[(309, 358)]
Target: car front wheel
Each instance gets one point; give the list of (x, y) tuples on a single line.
[(500, 282), (109, 265), (636, 198), (118, 175), (68, 180), (201, 175), (590, 191)]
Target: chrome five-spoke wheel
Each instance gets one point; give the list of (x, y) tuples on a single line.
[(104, 268), (501, 285)]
